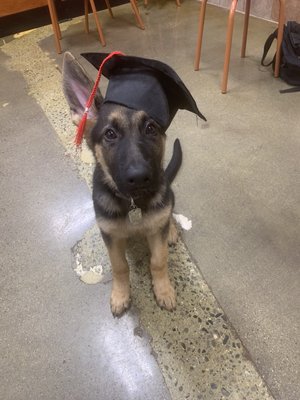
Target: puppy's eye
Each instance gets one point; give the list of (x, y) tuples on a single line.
[(151, 129), (110, 135)]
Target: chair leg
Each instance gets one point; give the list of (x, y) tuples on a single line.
[(86, 16), (100, 32), (109, 8), (245, 32), (56, 20), (228, 45), (281, 21), (55, 25), (136, 12), (200, 35)]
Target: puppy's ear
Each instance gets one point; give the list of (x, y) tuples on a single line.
[(77, 87)]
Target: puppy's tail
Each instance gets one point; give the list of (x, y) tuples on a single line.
[(175, 162)]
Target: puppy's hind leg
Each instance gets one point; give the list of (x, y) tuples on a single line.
[(173, 232), (120, 294), (163, 289)]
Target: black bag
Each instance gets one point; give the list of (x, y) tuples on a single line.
[(289, 69)]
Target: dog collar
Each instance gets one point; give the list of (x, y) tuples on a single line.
[(135, 213)]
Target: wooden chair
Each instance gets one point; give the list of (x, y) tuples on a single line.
[(281, 21), (55, 24)]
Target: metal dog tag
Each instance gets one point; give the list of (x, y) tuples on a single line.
[(134, 214)]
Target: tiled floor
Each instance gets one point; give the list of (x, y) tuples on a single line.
[(240, 186)]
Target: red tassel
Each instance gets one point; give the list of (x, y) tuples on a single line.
[(81, 126), (80, 129)]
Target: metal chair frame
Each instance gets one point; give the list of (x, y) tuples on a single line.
[(229, 34)]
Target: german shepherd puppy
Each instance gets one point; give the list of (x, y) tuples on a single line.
[(131, 190)]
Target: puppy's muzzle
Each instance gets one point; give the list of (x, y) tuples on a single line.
[(138, 177)]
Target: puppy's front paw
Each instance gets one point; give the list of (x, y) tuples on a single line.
[(165, 296), (119, 301)]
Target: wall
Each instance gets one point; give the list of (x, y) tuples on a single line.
[(267, 9)]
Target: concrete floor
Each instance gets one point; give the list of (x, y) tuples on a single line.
[(235, 333)]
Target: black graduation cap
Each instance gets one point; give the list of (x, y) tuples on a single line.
[(144, 84)]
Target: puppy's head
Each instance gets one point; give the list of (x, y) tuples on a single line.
[(126, 131), (127, 144)]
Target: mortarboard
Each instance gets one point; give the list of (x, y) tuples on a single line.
[(144, 84)]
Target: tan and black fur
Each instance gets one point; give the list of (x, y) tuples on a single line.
[(128, 147)]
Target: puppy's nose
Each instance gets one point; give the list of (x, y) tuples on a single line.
[(138, 176)]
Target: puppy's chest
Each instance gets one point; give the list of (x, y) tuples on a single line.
[(141, 219), (136, 221)]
